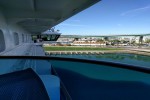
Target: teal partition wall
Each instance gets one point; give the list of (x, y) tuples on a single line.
[(87, 81)]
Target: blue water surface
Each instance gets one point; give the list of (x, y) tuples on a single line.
[(131, 59)]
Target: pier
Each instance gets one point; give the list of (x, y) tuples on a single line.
[(132, 51), (74, 52)]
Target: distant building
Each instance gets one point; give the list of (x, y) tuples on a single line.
[(65, 39), (88, 43)]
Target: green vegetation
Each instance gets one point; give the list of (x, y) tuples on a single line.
[(68, 48), (147, 41)]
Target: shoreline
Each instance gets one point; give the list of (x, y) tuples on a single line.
[(144, 52)]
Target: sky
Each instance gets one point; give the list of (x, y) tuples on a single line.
[(110, 17)]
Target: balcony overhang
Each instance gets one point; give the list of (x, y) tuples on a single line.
[(40, 15)]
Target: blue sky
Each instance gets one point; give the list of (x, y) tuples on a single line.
[(110, 17)]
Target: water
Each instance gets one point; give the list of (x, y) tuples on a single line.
[(132, 59)]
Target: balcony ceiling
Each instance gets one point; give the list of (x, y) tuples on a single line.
[(37, 16)]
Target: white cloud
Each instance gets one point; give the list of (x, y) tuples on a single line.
[(75, 20), (133, 11), (75, 25), (119, 24)]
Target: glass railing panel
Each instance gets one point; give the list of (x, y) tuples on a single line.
[(10, 65), (132, 59), (89, 80)]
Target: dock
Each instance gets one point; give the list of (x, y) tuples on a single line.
[(74, 52), (130, 51)]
